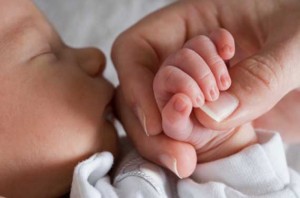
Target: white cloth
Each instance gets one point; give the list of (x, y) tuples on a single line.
[(259, 170), (90, 177)]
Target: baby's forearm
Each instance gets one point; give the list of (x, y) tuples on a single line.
[(238, 139)]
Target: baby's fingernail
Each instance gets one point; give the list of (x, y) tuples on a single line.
[(221, 108), (142, 118), (214, 93), (226, 81), (227, 49), (199, 101), (170, 163), (179, 105)]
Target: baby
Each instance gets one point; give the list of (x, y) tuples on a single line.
[(54, 105)]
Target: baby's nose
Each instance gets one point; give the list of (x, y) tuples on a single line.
[(91, 60)]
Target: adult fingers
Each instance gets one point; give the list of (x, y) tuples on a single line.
[(138, 53), (259, 82), (136, 69), (178, 157)]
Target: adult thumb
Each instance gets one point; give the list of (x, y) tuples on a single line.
[(258, 83)]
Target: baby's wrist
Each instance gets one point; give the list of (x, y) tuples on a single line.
[(239, 139)]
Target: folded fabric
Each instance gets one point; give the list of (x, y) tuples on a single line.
[(259, 170), (90, 178)]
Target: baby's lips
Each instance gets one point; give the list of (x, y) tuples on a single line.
[(221, 108)]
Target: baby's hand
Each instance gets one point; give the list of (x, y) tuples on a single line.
[(189, 77), (198, 70)]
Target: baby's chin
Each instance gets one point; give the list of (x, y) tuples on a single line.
[(109, 132), (110, 140)]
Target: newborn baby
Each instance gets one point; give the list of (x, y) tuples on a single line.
[(54, 105)]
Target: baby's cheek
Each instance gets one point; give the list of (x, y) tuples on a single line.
[(74, 141), (45, 154)]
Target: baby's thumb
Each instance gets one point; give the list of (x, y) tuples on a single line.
[(258, 83)]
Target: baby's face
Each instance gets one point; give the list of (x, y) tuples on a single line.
[(54, 103)]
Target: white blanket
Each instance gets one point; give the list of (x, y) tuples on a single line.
[(257, 171)]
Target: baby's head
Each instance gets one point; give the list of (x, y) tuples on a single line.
[(53, 103)]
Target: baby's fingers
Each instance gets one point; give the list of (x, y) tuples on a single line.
[(224, 43), (193, 64), (176, 121), (204, 46), (171, 80), (179, 123)]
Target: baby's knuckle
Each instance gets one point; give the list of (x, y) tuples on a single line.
[(215, 62), (168, 74), (205, 75), (201, 38), (189, 85), (171, 79), (198, 40), (185, 54)]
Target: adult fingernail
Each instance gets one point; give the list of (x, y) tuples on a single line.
[(221, 108), (142, 118), (170, 163)]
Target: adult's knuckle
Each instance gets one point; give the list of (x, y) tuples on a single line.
[(262, 69)]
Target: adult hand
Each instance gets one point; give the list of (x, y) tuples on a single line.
[(267, 36)]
